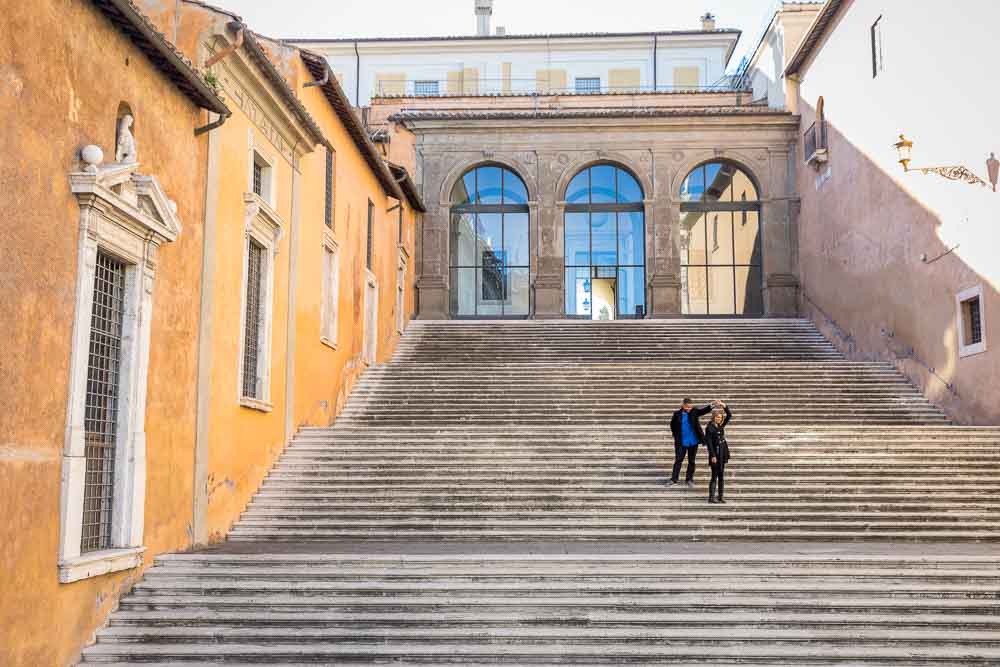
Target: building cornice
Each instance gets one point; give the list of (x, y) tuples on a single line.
[(817, 31)]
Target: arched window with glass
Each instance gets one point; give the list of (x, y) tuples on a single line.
[(720, 242), (605, 245), (489, 244)]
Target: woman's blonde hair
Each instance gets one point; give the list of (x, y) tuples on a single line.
[(718, 411)]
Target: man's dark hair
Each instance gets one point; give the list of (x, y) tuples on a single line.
[(687, 401)]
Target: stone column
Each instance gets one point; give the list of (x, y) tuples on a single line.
[(549, 213), (433, 281), (663, 260), (780, 242)]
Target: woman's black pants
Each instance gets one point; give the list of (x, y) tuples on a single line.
[(718, 475)]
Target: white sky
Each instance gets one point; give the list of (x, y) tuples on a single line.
[(394, 18)]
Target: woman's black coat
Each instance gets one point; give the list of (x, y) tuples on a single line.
[(715, 439)]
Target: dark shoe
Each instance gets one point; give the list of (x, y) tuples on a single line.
[(721, 500), (690, 484)]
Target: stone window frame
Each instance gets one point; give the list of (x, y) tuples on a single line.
[(257, 154), (401, 293), (330, 304), (369, 349), (128, 216), (968, 350), (264, 226)]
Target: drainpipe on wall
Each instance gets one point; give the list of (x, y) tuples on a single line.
[(357, 76), (656, 45)]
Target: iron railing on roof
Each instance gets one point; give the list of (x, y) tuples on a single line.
[(457, 87)]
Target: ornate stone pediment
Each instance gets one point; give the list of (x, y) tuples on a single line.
[(136, 202)]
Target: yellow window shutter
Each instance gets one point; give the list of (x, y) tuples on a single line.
[(390, 83), (470, 81), (623, 80), (550, 80), (687, 77), (506, 85), (455, 83)]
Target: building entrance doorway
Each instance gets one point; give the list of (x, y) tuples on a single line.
[(604, 299)]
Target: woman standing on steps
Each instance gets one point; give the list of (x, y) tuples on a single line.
[(718, 450)]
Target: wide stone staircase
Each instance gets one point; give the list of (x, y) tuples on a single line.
[(496, 495)]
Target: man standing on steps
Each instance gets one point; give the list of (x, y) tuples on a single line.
[(688, 434)]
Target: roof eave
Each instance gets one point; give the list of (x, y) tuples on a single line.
[(127, 17), (320, 70), (813, 36)]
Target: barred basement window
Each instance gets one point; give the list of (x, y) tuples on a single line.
[(971, 323), (252, 329), (329, 188), (101, 411)]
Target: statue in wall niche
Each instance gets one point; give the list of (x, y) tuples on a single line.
[(125, 151), (993, 170)]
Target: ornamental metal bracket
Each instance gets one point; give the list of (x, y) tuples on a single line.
[(957, 173)]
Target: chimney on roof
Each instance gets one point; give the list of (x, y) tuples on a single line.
[(501, 31), (708, 21), (484, 12)]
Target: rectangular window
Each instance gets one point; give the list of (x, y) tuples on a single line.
[(588, 84), (400, 224), (878, 48), (371, 233), (261, 177), (102, 397), (328, 218), (331, 294), (971, 323), (252, 384), (425, 88), (400, 297)]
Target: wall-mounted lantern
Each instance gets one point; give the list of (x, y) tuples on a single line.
[(904, 148)]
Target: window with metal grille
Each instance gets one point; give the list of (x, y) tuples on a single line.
[(101, 414), (878, 53), (371, 233), (252, 330), (429, 88), (400, 224), (588, 84), (329, 188), (258, 179), (973, 316)]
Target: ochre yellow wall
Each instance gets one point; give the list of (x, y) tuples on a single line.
[(65, 68)]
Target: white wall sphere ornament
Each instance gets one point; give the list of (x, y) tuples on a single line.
[(92, 156)]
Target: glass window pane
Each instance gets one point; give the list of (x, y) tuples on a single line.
[(631, 291), (463, 240), (577, 239), (693, 187), (720, 238), (578, 296), (514, 189), (463, 292), (721, 292), (604, 239), (578, 191), (746, 232), (693, 239), (694, 290), (749, 291), (490, 229), (631, 240), (518, 292), (489, 185), (719, 187), (464, 191), (628, 188), (743, 187), (602, 184), (491, 290), (515, 239)]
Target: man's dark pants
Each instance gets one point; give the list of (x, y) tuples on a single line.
[(681, 452)]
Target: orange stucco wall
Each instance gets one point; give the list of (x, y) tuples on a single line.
[(59, 103)]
